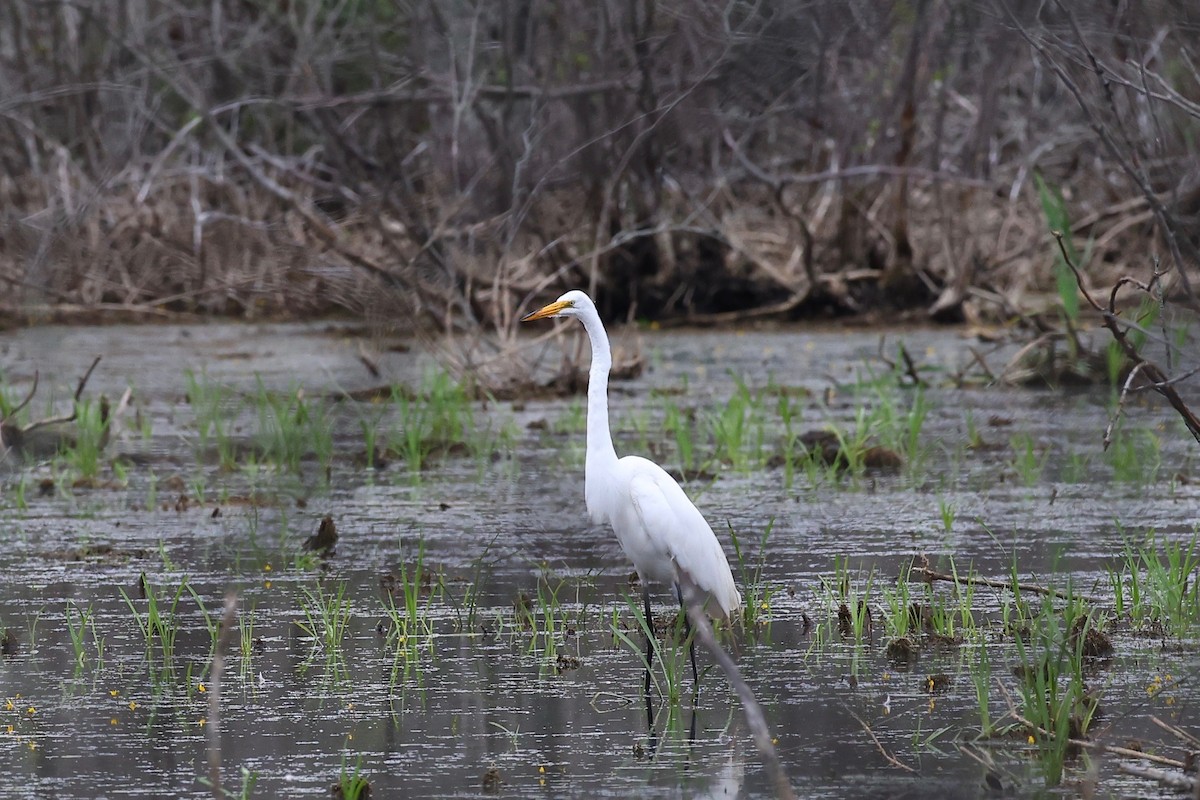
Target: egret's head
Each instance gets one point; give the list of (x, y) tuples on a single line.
[(572, 304)]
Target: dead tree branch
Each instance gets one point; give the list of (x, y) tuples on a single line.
[(891, 759), (926, 573), (1155, 378)]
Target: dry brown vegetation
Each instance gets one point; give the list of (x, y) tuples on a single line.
[(690, 160)]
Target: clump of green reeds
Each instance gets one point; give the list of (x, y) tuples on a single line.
[(1055, 706), (84, 451), (737, 429), (548, 619), (438, 420), (1135, 457), (1155, 585), (214, 406), (670, 653), (160, 622), (756, 593), (326, 620), (80, 623), (352, 783), (408, 605), (680, 423), (291, 428), (1028, 460)]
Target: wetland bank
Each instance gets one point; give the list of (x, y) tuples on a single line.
[(469, 633)]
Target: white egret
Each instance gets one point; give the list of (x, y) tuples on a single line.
[(659, 528)]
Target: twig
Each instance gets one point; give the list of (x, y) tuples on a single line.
[(891, 759), (1172, 779), (750, 707), (910, 368), (1159, 381), (1124, 752), (1176, 731), (214, 695), (32, 389), (929, 574), (42, 423), (1116, 417), (83, 381)]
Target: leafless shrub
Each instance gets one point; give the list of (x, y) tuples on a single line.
[(442, 163)]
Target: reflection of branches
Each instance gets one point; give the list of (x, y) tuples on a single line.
[(1154, 376)]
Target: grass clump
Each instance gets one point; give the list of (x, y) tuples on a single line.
[(160, 622), (1154, 586), (756, 593), (214, 406), (670, 653), (1055, 706), (292, 428), (84, 452), (326, 620), (437, 421), (408, 605)]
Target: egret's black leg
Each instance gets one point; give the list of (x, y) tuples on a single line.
[(649, 656), (687, 635)]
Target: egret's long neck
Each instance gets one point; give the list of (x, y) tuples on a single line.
[(599, 440)]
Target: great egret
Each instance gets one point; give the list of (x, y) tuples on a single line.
[(659, 528)]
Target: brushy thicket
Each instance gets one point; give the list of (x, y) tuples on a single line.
[(449, 160)]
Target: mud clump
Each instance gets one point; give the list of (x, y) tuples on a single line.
[(902, 651), (356, 787), (1096, 643), (845, 619), (825, 447)]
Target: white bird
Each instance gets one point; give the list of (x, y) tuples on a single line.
[(659, 528)]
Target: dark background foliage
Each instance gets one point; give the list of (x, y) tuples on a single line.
[(690, 159)]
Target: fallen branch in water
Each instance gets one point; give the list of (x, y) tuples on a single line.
[(1175, 780), (929, 574), (1179, 733), (891, 759), (14, 435)]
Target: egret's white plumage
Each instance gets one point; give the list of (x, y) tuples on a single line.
[(659, 528)]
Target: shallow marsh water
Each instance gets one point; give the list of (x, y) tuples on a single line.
[(484, 705)]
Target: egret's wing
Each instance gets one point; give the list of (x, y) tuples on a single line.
[(674, 524)]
